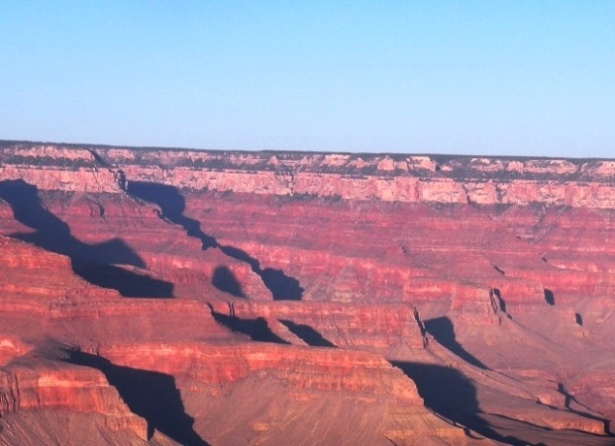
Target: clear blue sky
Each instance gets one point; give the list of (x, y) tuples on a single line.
[(481, 77)]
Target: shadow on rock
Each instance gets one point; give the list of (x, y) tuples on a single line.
[(151, 395), (442, 330), (94, 263), (257, 329), (128, 283), (307, 334), (225, 280), (569, 399), (451, 395), (172, 204)]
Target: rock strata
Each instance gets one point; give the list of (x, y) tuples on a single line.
[(165, 296)]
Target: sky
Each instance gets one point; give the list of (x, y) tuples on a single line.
[(524, 77)]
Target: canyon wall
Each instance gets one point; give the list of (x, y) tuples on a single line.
[(390, 178), (166, 296)]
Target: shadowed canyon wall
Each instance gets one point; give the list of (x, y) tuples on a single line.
[(166, 296)]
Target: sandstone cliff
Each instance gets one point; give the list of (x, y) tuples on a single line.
[(200, 297)]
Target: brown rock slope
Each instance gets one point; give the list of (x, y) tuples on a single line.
[(207, 298)]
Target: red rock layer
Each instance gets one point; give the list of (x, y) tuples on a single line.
[(27, 387), (491, 274)]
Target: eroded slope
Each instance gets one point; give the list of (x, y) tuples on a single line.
[(237, 298)]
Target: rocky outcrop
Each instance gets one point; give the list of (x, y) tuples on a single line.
[(372, 327), (28, 385), (282, 297), (390, 178)]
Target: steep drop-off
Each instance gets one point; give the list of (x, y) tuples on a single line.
[(155, 296)]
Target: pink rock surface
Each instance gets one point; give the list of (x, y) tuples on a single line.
[(193, 297)]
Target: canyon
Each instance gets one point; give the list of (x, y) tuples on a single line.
[(171, 296)]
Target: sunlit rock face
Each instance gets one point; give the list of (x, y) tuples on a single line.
[(166, 297)]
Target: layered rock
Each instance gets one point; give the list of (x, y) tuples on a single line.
[(287, 281), (400, 178), (29, 385)]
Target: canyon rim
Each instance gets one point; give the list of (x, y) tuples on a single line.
[(167, 296)]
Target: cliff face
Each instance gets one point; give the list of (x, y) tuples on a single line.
[(193, 297), (389, 178)]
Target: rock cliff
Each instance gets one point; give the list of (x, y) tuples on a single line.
[(154, 296)]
